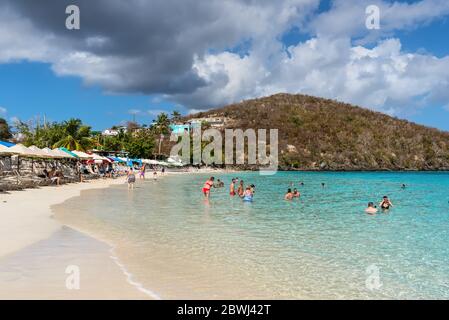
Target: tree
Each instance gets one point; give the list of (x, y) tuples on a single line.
[(76, 136), (141, 145), (5, 132), (161, 127), (175, 116)]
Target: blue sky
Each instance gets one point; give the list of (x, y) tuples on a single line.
[(31, 90), (37, 79)]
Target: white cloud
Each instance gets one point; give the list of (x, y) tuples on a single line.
[(156, 112), (3, 111), (382, 78), (187, 61)]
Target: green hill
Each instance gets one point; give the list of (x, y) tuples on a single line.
[(322, 134)]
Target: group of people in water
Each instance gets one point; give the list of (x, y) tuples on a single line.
[(131, 175), (385, 204), (237, 188)]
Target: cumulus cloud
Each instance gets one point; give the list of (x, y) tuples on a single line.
[(188, 51)]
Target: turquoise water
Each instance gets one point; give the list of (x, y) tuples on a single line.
[(322, 245)]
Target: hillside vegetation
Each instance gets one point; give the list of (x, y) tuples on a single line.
[(322, 134)]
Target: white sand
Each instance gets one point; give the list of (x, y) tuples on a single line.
[(35, 250), (26, 217)]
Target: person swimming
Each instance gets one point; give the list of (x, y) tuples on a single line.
[(220, 184), (207, 185), (296, 193), (288, 195), (371, 208), (403, 186), (248, 195), (323, 184), (385, 204)]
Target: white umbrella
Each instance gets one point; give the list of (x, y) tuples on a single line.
[(23, 151), (97, 158), (40, 152), (62, 154), (5, 150), (51, 154)]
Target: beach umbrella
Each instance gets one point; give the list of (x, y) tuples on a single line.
[(99, 159), (68, 152), (23, 151), (39, 152), (6, 144), (6, 151), (82, 155), (62, 154), (51, 154)]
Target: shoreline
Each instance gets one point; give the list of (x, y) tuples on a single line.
[(29, 231)]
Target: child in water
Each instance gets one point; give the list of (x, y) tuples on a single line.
[(248, 194)]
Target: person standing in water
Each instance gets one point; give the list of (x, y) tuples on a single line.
[(241, 189), (131, 178), (207, 185), (288, 195), (385, 204), (296, 193), (232, 188), (142, 172)]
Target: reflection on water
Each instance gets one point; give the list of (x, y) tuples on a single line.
[(320, 246)]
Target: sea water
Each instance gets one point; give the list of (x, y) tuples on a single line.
[(322, 245)]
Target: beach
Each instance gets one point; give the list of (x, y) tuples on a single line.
[(36, 249), (163, 240)]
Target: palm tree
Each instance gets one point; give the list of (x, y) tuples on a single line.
[(175, 116), (76, 136), (162, 127)]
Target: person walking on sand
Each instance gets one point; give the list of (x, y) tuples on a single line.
[(207, 185), (131, 178)]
